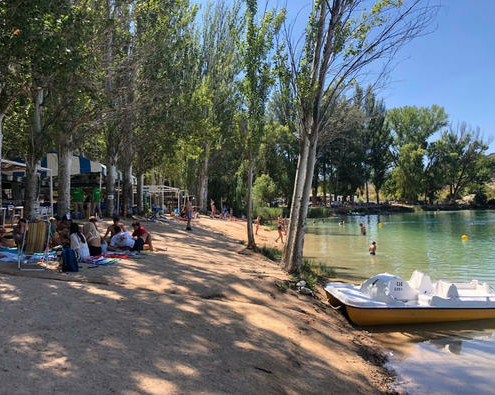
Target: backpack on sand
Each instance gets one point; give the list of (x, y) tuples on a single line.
[(69, 260)]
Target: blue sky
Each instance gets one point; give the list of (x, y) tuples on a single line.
[(453, 66)]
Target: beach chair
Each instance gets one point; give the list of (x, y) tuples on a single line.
[(34, 247)]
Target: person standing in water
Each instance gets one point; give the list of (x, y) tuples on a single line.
[(363, 229), (279, 229), (372, 248)]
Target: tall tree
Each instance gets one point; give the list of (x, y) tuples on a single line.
[(463, 159), (341, 40), (258, 80), (412, 127), (379, 140)]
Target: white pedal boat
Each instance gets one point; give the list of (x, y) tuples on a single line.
[(387, 299)]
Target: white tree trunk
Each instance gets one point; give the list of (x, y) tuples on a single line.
[(64, 169), (31, 190), (203, 193), (301, 224), (287, 257)]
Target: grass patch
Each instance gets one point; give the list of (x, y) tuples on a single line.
[(274, 254), (313, 273), (322, 270)]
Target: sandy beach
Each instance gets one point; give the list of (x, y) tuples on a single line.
[(199, 317)]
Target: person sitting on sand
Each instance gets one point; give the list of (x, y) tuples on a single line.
[(140, 232), (123, 241), (363, 229), (78, 242), (279, 229), (112, 228), (372, 248), (257, 223), (93, 236)]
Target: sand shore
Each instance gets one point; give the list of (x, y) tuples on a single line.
[(198, 317)]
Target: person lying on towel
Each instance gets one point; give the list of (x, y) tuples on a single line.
[(123, 241)]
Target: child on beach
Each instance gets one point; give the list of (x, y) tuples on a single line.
[(257, 223)]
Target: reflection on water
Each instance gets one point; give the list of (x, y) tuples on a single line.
[(455, 358), (436, 358)]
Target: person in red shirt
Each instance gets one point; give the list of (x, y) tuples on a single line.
[(139, 231)]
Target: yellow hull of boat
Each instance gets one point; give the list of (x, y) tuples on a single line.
[(420, 315)]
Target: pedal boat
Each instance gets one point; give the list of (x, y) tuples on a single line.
[(386, 299)]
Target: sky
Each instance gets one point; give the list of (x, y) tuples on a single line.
[(452, 67)]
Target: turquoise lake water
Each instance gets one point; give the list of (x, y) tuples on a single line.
[(430, 242), (442, 358)]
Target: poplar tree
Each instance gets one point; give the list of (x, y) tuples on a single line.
[(342, 38)]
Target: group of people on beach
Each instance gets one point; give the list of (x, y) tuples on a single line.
[(87, 240)]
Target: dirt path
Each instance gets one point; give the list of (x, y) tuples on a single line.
[(199, 317)]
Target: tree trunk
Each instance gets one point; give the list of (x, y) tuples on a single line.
[(287, 256), (127, 191), (324, 185), (203, 192), (315, 188), (301, 225), (140, 201), (31, 189), (367, 193), (110, 186), (251, 242), (2, 117), (377, 195), (64, 170)]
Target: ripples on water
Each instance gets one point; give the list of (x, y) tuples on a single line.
[(454, 358), (430, 242)]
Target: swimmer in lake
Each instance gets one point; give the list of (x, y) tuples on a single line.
[(372, 248), (363, 229)]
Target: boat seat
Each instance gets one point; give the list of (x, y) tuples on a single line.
[(444, 289), (422, 283)]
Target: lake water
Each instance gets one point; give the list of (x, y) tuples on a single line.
[(440, 358)]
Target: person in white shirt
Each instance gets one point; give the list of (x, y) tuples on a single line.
[(123, 241), (78, 242)]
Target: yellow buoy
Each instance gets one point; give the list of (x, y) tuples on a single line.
[(380, 224), (464, 237)]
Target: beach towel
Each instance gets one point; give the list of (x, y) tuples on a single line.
[(9, 256), (102, 261)]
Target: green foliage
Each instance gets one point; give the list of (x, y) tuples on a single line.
[(412, 127), (307, 274), (318, 212), (274, 254), (264, 190), (267, 213)]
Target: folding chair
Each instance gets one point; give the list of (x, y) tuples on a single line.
[(34, 246)]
